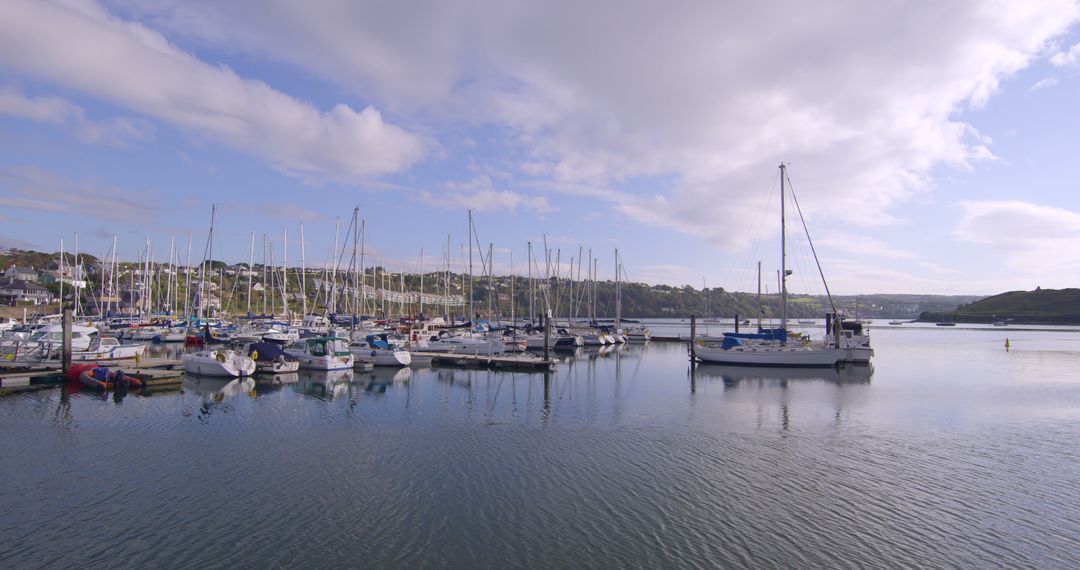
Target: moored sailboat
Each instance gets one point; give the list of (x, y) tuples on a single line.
[(774, 347)]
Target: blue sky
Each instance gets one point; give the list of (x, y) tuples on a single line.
[(931, 146)]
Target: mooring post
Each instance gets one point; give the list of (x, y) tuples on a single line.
[(693, 338), (66, 348), (547, 336), (736, 322)]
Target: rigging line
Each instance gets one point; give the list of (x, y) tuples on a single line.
[(811, 242)]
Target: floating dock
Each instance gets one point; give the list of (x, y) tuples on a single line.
[(519, 363), (20, 377)]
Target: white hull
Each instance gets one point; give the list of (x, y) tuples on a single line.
[(770, 355), (309, 362), (218, 363), (122, 352), (857, 355), (277, 367), (392, 358)]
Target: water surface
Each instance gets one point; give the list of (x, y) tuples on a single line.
[(950, 451)]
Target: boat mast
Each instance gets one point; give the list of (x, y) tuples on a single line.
[(187, 283), (251, 262), (470, 269), (618, 292), (512, 303), (303, 274), (354, 267), (285, 272), (783, 254), (759, 311), (446, 301), (421, 282), (61, 276), (363, 268), (76, 273), (532, 287)]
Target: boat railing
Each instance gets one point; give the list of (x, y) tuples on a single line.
[(21, 350)]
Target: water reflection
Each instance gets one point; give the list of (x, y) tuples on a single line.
[(324, 385), (732, 376), (217, 389)]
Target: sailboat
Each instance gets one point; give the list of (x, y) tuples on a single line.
[(769, 347)]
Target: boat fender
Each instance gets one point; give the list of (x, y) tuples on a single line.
[(254, 355)]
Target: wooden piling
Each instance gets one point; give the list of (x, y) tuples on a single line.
[(547, 336), (693, 338), (66, 348)]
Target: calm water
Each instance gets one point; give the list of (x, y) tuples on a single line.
[(950, 452)]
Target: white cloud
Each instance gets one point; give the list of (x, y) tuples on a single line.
[(692, 92), (117, 132), (861, 245), (1036, 241), (32, 188), (1045, 83), (479, 194), (77, 45), (1067, 57)]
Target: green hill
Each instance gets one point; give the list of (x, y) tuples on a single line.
[(1041, 306)]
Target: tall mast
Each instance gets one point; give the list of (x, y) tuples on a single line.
[(759, 295), (265, 283), (618, 292), (112, 275), (303, 272), (421, 282), (210, 257), (783, 254), (285, 272), (78, 275), (446, 301), (168, 281), (470, 269), (187, 283), (491, 277), (512, 300), (363, 268), (251, 263), (532, 287), (355, 290), (61, 276), (333, 272)]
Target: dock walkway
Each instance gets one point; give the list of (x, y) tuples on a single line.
[(520, 363), (20, 377)]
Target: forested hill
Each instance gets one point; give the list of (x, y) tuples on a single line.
[(1041, 306)]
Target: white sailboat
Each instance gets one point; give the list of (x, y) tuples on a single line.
[(218, 362), (772, 348), (322, 353)]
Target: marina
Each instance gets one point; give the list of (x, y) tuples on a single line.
[(612, 442), (492, 285)]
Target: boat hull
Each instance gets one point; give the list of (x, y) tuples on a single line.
[(208, 363), (779, 357)]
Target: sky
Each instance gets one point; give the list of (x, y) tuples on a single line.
[(929, 144)]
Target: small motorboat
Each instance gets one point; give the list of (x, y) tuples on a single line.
[(322, 353), (218, 362), (108, 348), (270, 358)]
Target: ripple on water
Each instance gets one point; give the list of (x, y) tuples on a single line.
[(618, 460)]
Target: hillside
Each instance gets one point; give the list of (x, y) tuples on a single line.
[(1041, 306)]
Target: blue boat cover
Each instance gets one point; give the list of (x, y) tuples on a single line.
[(763, 334), (267, 350)]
